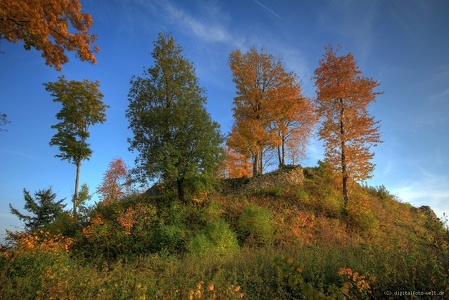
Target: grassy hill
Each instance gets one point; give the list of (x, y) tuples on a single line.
[(280, 240)]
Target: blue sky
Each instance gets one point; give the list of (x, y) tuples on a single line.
[(402, 44)]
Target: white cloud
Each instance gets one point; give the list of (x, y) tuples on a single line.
[(430, 189), (208, 25)]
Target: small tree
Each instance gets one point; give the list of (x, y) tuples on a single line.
[(44, 208), (45, 26), (176, 138), (347, 128), (115, 181), (82, 206), (82, 107)]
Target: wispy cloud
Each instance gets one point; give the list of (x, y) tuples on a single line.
[(208, 25), (209, 30), (430, 189), (17, 153), (271, 11)]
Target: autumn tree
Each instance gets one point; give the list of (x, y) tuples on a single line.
[(268, 109), (177, 141), (347, 129), (115, 181), (82, 107), (50, 26), (294, 123), (44, 209)]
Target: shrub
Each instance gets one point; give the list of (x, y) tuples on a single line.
[(255, 223), (216, 238), (360, 214)]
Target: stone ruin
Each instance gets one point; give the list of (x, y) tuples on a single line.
[(284, 176)]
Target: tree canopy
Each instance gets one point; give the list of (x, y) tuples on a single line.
[(347, 129), (269, 109), (44, 209), (177, 141), (115, 181), (46, 25), (82, 107)]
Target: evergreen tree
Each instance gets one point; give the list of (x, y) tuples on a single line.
[(44, 208), (177, 141)]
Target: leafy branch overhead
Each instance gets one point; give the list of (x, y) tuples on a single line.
[(45, 26)]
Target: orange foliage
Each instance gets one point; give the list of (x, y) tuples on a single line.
[(45, 24), (96, 221), (268, 105), (235, 165), (303, 225), (294, 124), (211, 293), (41, 240), (114, 182), (127, 220), (362, 282), (347, 129)]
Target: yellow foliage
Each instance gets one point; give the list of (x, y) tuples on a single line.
[(41, 240)]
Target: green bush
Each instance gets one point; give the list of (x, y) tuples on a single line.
[(216, 238), (255, 225), (198, 216), (360, 214)]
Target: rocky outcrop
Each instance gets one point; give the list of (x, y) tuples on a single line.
[(426, 210)]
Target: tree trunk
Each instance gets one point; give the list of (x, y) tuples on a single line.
[(180, 187), (257, 163), (344, 172), (75, 194), (281, 153), (279, 156)]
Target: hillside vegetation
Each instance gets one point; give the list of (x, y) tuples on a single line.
[(284, 241)]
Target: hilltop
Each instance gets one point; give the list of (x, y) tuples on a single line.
[(282, 235)]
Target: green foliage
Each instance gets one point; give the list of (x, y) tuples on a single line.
[(255, 225), (171, 229), (291, 280), (82, 107), (44, 208), (177, 141), (216, 238), (320, 192), (142, 248), (360, 213)]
